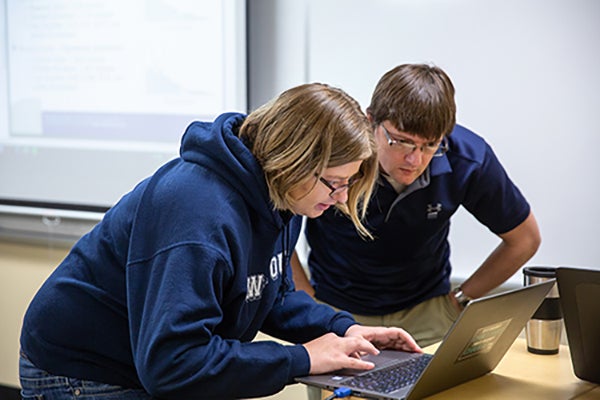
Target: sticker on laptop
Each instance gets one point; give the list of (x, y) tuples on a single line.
[(484, 339)]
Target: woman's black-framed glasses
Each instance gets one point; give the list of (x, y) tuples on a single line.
[(407, 146), (339, 189)]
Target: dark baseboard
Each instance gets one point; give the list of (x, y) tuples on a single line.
[(9, 393)]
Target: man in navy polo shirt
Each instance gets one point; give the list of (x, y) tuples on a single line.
[(429, 167)]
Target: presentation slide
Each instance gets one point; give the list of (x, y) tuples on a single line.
[(96, 94)]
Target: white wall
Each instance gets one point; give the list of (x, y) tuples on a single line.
[(277, 48), (526, 75)]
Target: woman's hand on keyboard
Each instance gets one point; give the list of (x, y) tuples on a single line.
[(331, 353), (385, 338)]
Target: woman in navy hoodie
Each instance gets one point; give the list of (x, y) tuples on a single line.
[(163, 298)]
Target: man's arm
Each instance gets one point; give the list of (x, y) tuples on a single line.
[(299, 275), (517, 247)]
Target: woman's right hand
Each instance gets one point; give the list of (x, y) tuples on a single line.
[(331, 352)]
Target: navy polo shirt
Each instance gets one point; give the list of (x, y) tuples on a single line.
[(408, 262)]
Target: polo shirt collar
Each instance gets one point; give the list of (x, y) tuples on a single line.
[(437, 166)]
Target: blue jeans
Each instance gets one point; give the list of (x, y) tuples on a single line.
[(37, 384)]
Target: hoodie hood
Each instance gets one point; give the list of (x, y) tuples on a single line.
[(216, 146)]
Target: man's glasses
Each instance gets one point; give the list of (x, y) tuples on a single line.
[(407, 146), (337, 189)]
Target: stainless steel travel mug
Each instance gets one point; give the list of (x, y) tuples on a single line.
[(543, 331)]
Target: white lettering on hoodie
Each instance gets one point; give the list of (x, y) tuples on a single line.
[(257, 283)]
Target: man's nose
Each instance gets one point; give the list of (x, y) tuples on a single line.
[(415, 157)]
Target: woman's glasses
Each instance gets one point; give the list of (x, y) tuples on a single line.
[(337, 189)]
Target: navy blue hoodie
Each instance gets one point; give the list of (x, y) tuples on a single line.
[(169, 289)]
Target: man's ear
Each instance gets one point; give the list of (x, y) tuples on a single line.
[(369, 116)]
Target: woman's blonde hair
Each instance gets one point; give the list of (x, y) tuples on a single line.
[(306, 130)]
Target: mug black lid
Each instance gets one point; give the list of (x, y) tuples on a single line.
[(546, 272)]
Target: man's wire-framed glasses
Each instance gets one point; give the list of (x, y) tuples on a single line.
[(337, 189), (407, 146)]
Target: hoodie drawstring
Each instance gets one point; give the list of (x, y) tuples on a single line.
[(285, 245)]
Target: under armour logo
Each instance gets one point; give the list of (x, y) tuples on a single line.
[(433, 210)]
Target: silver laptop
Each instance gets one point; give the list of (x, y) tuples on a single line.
[(473, 346)]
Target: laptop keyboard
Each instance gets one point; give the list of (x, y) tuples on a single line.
[(391, 378)]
